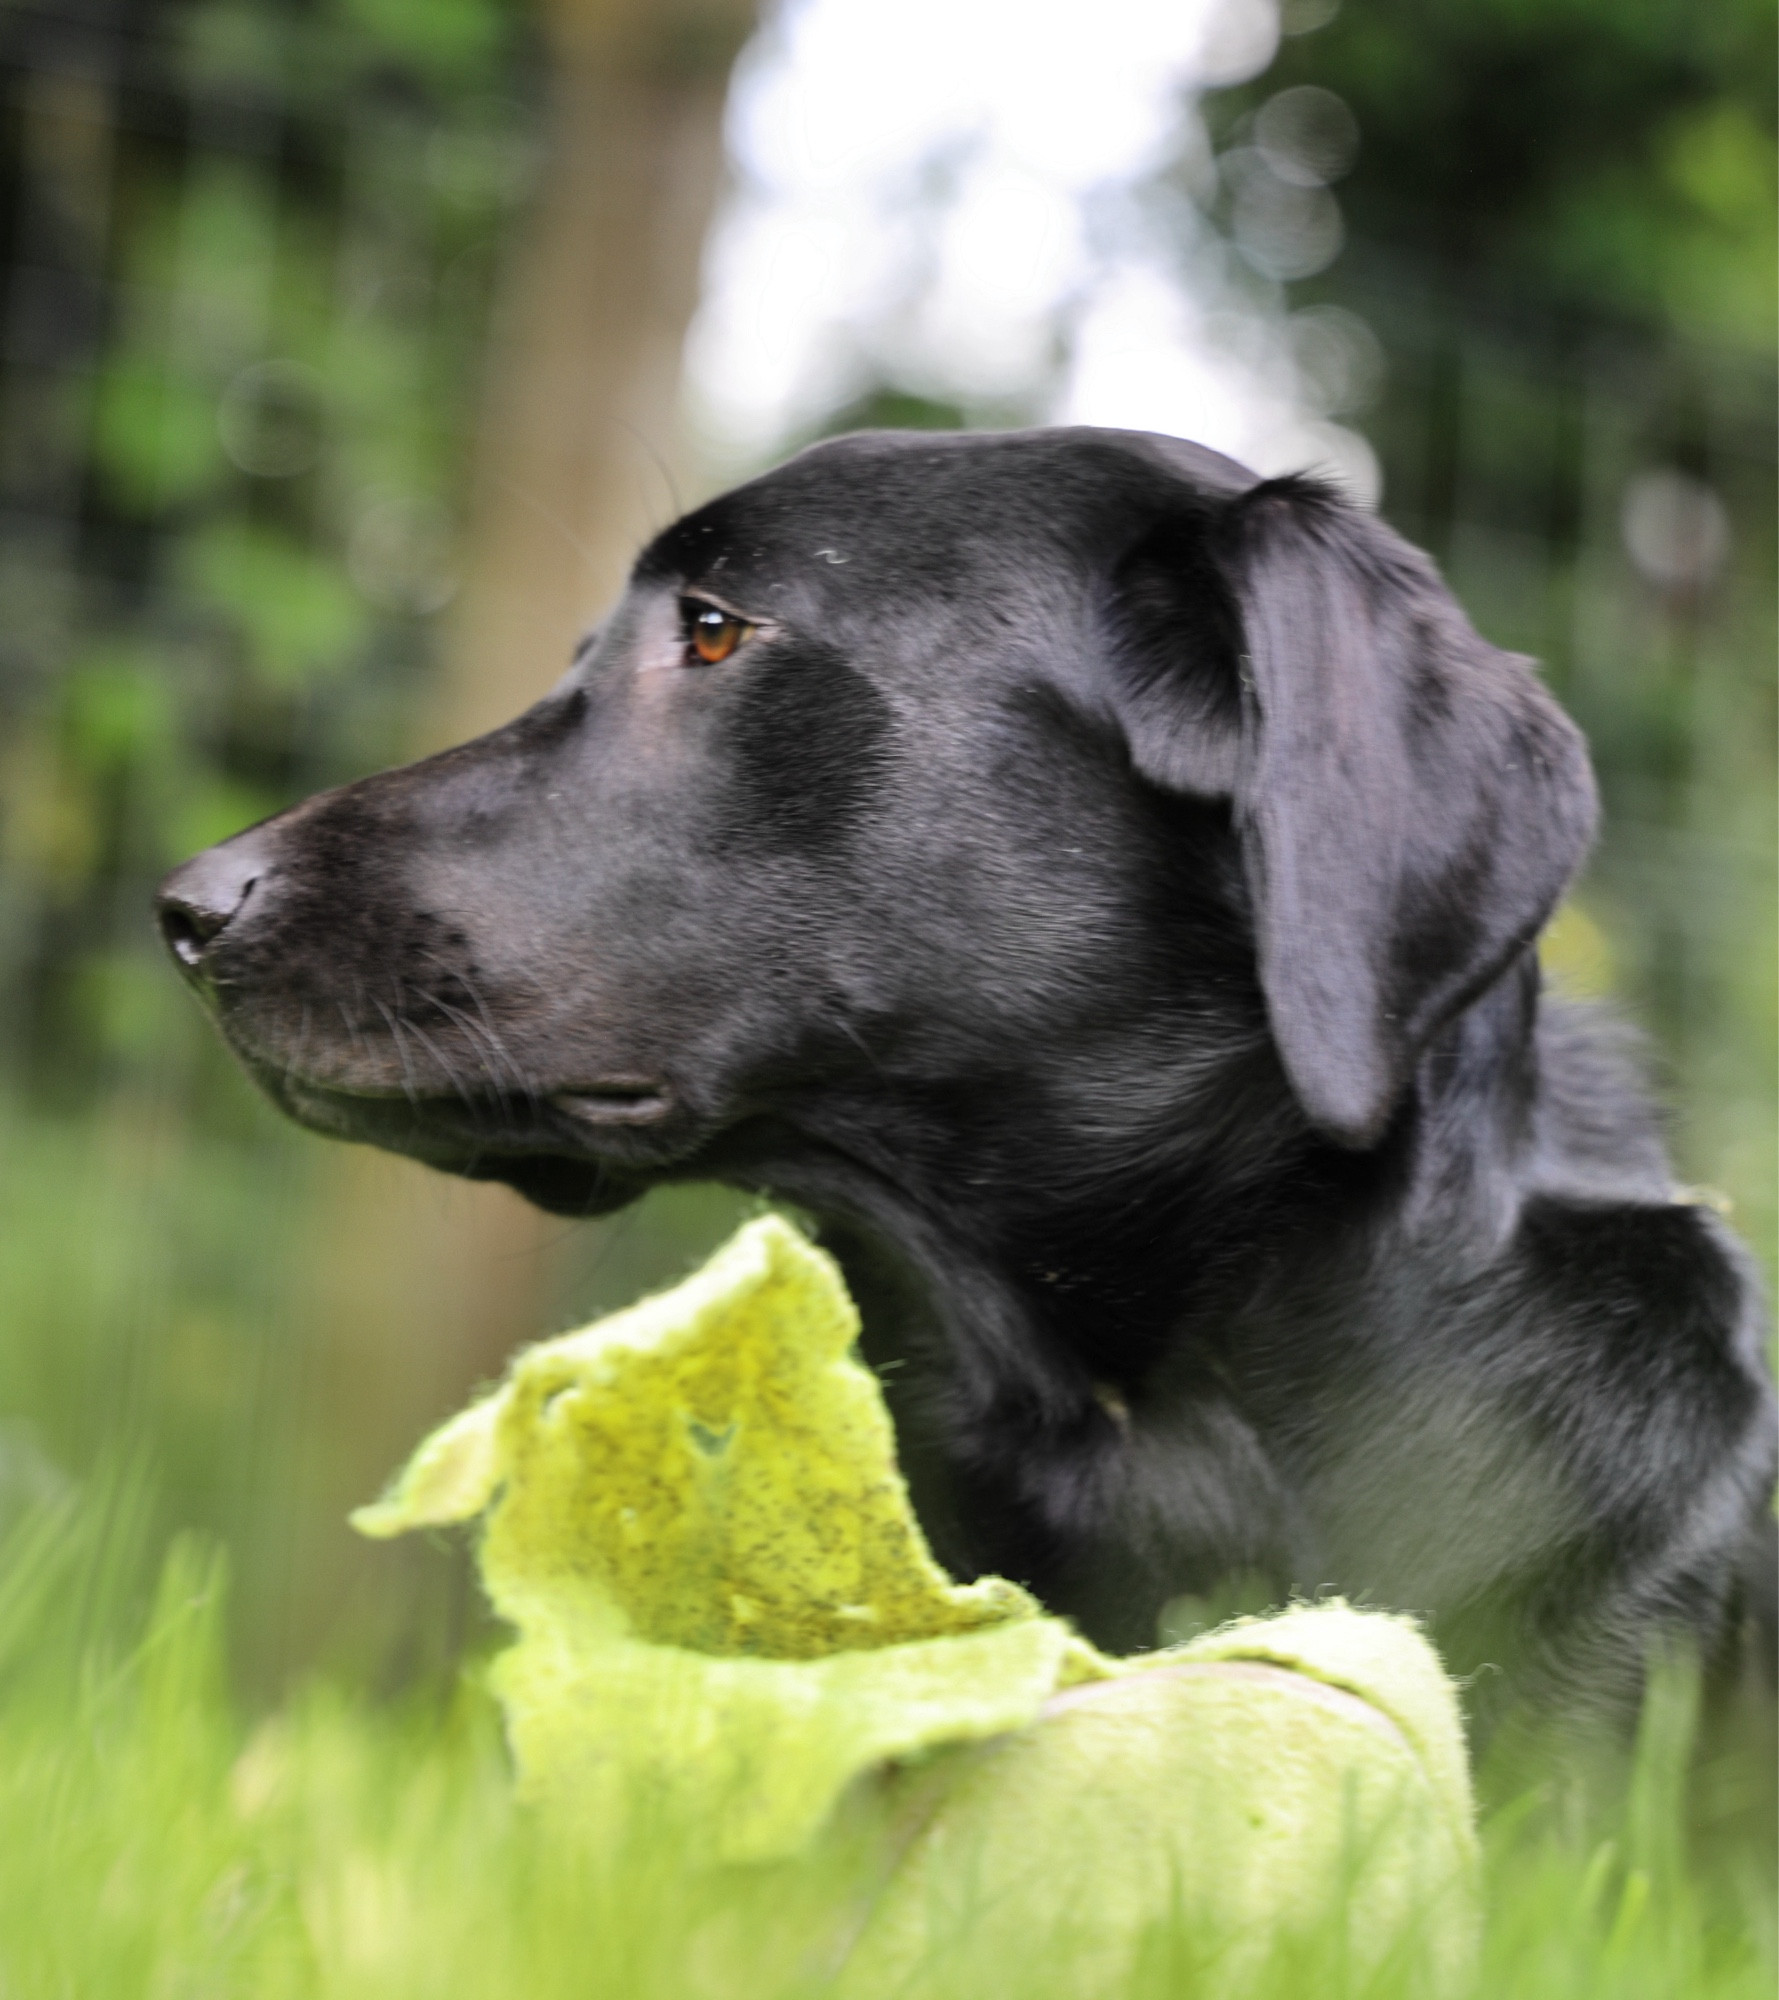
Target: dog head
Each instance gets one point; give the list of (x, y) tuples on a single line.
[(894, 772)]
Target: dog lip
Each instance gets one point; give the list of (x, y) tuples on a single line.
[(608, 1101), (616, 1100)]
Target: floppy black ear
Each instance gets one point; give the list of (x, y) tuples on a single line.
[(1409, 799)]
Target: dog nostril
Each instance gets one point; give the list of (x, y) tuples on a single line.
[(192, 923), (186, 933)]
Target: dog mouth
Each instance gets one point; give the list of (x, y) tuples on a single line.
[(580, 1149), (616, 1101)]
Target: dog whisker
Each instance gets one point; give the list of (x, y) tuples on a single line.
[(497, 1052), (526, 1086), (660, 464), (491, 1050), (409, 1089), (448, 1070), (471, 1033), (550, 518)]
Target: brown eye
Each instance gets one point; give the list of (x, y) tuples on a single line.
[(714, 634)]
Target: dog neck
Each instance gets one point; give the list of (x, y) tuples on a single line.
[(1050, 1292)]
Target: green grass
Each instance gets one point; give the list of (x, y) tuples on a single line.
[(155, 1842)]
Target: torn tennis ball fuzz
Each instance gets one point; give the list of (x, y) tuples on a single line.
[(728, 1621)]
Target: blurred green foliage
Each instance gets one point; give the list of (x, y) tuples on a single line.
[(262, 238), (1607, 154)]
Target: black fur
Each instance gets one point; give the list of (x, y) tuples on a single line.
[(808, 695), (1102, 892)]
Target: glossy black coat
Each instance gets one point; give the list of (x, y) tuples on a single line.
[(1101, 891)]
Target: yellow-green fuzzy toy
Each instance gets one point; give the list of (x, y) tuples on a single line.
[(729, 1620)]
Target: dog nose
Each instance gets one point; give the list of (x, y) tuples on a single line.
[(198, 902)]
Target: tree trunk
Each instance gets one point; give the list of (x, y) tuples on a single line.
[(581, 446)]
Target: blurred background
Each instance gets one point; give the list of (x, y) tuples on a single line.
[(349, 348)]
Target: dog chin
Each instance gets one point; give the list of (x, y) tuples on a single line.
[(557, 1185)]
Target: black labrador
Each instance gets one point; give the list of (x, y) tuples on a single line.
[(1100, 888)]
